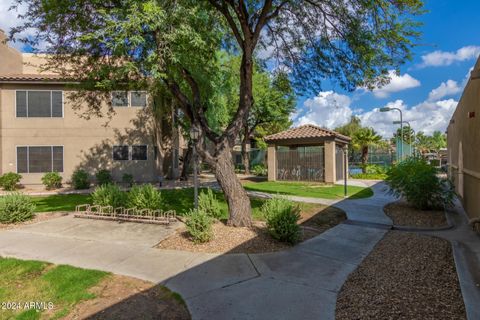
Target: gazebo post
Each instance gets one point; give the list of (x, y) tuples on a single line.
[(330, 170), (272, 162)]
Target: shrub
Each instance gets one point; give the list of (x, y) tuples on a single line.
[(103, 177), (16, 207), (282, 216), (109, 195), (259, 170), (418, 182), (52, 180), (199, 225), (208, 203), (80, 179), (145, 197), (127, 179), (10, 180)]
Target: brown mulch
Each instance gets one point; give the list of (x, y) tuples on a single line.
[(39, 217), (120, 297), (406, 276), (256, 239), (404, 214)]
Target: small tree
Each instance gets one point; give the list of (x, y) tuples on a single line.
[(362, 140)]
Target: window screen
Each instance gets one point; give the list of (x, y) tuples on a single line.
[(119, 99), (39, 104), (139, 152), (120, 153), (138, 99), (21, 103), (22, 160), (39, 159)]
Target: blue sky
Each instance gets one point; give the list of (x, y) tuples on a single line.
[(447, 50), (427, 89)]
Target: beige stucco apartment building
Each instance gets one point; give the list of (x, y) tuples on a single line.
[(463, 135), (41, 132)]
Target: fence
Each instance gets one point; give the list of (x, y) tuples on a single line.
[(300, 164)]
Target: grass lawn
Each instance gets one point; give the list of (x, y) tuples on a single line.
[(60, 202), (312, 190), (180, 200), (25, 281)]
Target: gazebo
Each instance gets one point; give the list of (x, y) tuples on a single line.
[(307, 153)]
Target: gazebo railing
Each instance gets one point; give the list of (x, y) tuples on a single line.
[(300, 164)]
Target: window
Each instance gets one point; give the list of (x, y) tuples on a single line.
[(139, 152), (120, 153), (39, 104), (138, 99), (39, 159), (129, 99), (119, 99)]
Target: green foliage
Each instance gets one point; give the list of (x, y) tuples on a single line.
[(418, 182), (16, 207), (362, 140), (199, 225), (103, 177), (282, 218), (127, 179), (144, 197), (10, 180), (52, 180), (433, 143), (208, 203), (109, 195), (259, 170), (369, 176), (80, 180)]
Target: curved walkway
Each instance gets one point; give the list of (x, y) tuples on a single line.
[(299, 283)]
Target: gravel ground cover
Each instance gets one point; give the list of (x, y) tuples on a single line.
[(406, 276), (256, 239), (404, 214)]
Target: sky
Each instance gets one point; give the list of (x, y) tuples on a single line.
[(427, 89)]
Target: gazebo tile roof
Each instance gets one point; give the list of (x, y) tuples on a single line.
[(305, 132)]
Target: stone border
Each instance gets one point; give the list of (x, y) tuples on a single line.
[(448, 218)]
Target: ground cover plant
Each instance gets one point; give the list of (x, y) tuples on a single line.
[(306, 189), (52, 180), (10, 180), (281, 216), (80, 179), (109, 195), (199, 225)]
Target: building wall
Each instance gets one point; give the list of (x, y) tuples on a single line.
[(463, 138), (87, 143)]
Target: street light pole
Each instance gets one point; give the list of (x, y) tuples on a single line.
[(194, 133), (409, 134), (386, 109), (345, 170)]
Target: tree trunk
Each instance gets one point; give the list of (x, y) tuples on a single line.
[(187, 159), (364, 159), (239, 208), (245, 155)]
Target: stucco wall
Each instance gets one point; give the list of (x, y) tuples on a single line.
[(463, 137), (87, 143)]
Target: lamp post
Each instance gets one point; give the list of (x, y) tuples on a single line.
[(409, 135), (194, 134), (386, 109), (345, 170)]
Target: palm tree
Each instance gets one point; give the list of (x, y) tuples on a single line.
[(362, 140)]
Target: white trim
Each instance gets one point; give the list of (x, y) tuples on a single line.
[(51, 104), (28, 157)]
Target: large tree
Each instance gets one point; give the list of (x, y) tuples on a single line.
[(107, 44), (362, 140)]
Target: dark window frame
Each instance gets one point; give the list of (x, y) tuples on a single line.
[(139, 145), (129, 99), (52, 111), (52, 158), (120, 146)]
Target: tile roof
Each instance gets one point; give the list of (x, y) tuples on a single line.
[(31, 77), (305, 131)]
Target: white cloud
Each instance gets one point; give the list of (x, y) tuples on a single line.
[(397, 83), (444, 58), (9, 19), (329, 109), (448, 88), (427, 116)]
